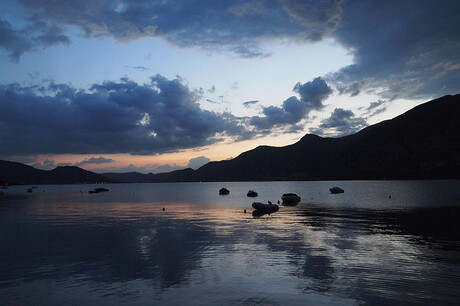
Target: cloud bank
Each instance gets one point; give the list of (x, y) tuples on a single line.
[(140, 119), (401, 49), (112, 117)]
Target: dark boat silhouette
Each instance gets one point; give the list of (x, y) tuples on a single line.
[(336, 190), (224, 191), (290, 198)]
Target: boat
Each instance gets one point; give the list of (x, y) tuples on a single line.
[(336, 190), (265, 207), (97, 190), (224, 191), (29, 189), (252, 193), (290, 198)]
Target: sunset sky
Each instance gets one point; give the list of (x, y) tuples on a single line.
[(154, 86)]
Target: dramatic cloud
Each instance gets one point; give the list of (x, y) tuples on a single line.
[(113, 117), (406, 49), (401, 49), (341, 122), (237, 27), (197, 162), (94, 160), (312, 94)]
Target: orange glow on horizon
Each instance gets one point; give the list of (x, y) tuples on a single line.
[(165, 162)]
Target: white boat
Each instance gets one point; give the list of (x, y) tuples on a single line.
[(263, 206), (336, 190), (290, 198)]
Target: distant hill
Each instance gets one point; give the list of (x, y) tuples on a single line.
[(423, 143), (16, 173)]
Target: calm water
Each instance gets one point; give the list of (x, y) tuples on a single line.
[(385, 242)]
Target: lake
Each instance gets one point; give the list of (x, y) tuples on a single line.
[(379, 243)]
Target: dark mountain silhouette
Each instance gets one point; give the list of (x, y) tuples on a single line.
[(185, 175), (419, 144), (423, 143), (16, 173)]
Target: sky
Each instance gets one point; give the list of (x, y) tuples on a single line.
[(155, 86)]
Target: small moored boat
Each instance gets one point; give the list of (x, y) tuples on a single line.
[(252, 193), (290, 198), (336, 190), (97, 190), (263, 206), (224, 191)]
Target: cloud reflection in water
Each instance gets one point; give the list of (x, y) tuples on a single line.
[(135, 252)]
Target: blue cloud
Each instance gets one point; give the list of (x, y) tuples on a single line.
[(313, 93), (37, 35), (236, 27), (293, 110), (341, 122), (406, 49), (113, 117)]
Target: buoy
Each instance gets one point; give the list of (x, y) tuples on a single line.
[(163, 209)]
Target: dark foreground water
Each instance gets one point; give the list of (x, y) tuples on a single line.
[(379, 243)]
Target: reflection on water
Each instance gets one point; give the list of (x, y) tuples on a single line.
[(120, 247)]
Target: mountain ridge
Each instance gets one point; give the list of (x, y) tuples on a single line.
[(14, 173), (422, 143)]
